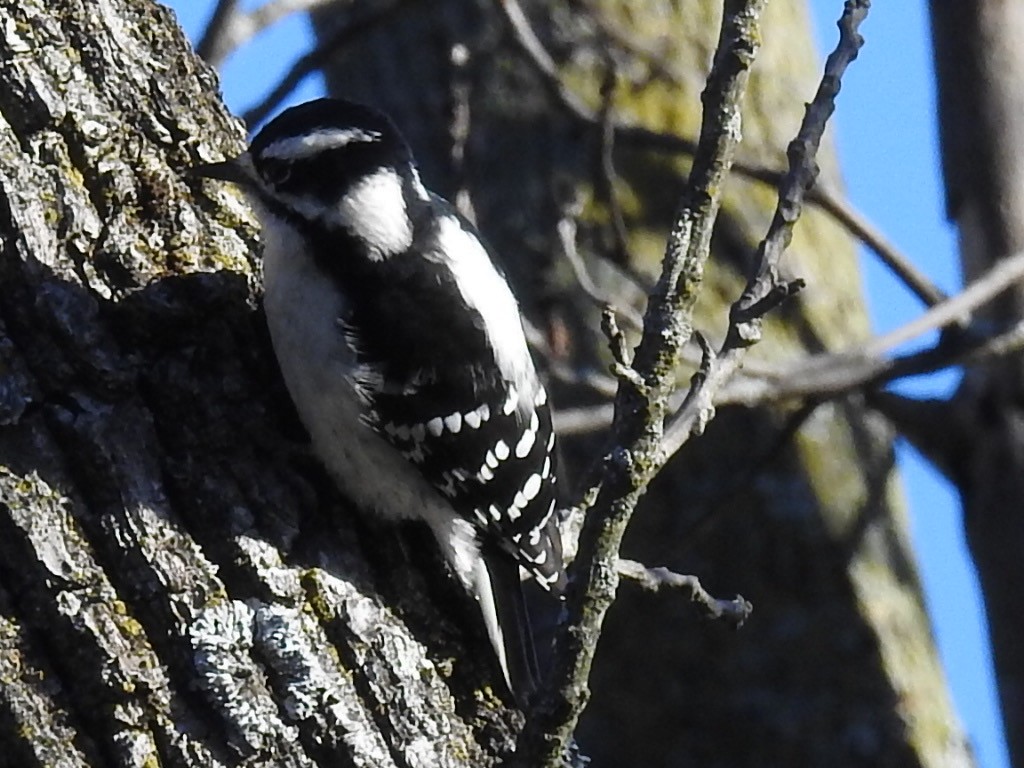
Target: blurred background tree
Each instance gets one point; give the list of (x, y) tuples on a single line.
[(791, 498)]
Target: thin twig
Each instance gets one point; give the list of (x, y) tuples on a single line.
[(657, 57), (735, 611), (606, 185), (639, 413), (818, 377), (566, 230), (542, 61), (765, 288), (459, 126), (319, 56), (645, 138), (622, 359), (224, 15), (828, 375), (230, 27), (858, 225)]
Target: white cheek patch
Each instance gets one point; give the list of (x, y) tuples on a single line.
[(374, 211)]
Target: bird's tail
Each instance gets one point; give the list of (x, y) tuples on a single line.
[(498, 590)]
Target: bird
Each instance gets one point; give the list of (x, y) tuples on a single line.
[(402, 347)]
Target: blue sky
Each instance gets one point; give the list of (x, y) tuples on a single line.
[(888, 144)]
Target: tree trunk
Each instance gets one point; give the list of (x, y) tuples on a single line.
[(979, 56), (179, 584), (837, 666)]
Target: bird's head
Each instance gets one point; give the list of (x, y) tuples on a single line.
[(330, 163)]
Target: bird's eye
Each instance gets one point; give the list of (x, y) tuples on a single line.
[(277, 174)]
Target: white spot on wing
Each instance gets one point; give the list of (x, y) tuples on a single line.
[(511, 402), (514, 512), (501, 450), (532, 487), (478, 416), (374, 210), (529, 436), (485, 473), (547, 467), (526, 443), (435, 426), (491, 460), (453, 422)]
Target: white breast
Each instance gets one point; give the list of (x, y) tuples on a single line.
[(303, 310)]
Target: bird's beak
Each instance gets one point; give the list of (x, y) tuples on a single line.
[(238, 170)]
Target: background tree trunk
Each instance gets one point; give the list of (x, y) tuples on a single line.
[(837, 665), (179, 585), (979, 56)]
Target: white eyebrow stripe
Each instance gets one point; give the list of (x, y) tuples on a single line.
[(301, 147)]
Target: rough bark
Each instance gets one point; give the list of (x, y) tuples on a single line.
[(837, 666), (179, 584), (979, 56)]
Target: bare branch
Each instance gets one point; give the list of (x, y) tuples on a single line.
[(566, 229), (1001, 276), (858, 226), (319, 56), (542, 62), (640, 411), (833, 374), (459, 126), (735, 611), (607, 178), (223, 18), (613, 131), (622, 359), (765, 289), (828, 375), (230, 27)]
